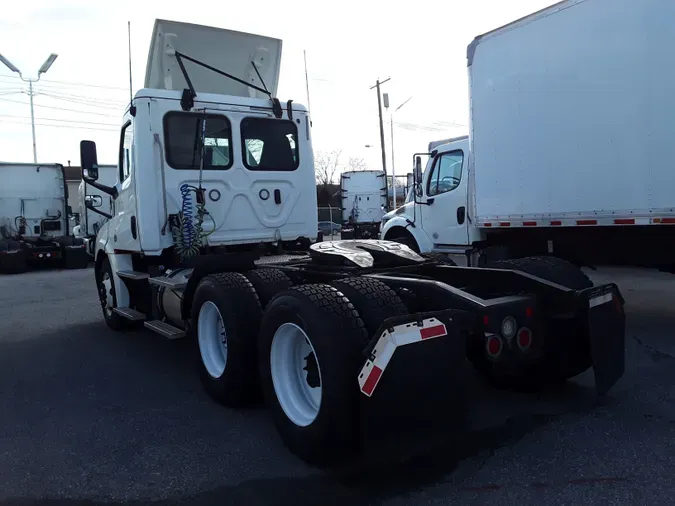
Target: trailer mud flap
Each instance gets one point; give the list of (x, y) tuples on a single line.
[(607, 333), (412, 381)]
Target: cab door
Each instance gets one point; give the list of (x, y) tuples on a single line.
[(444, 218), (124, 227)]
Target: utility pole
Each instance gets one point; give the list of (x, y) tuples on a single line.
[(44, 68), (379, 110)]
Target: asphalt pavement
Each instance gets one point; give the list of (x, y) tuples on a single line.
[(90, 416)]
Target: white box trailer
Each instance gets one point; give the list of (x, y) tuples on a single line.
[(364, 202), (34, 218), (569, 150)]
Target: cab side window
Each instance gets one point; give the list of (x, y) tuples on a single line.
[(446, 173), (126, 151)]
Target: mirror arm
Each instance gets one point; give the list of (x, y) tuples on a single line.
[(110, 190), (89, 206)]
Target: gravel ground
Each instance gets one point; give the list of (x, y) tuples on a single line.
[(88, 416)]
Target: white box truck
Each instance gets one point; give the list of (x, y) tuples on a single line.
[(570, 148), (364, 202), (95, 206), (34, 219), (215, 171)]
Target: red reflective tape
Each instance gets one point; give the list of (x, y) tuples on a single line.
[(371, 382), (504, 224), (435, 331), (556, 223), (587, 222), (487, 224), (625, 221), (668, 220), (530, 223)]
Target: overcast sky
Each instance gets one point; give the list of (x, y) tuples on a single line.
[(421, 45)]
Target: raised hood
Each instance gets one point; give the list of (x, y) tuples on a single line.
[(226, 50)]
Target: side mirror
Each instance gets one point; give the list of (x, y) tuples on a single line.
[(88, 160), (417, 174), (92, 201)]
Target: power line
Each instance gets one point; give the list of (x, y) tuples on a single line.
[(63, 109), (61, 120), (66, 127), (71, 83)]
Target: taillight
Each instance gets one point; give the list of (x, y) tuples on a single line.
[(524, 338), (493, 346)]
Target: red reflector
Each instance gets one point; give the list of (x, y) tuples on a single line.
[(494, 346), (556, 223), (529, 312), (524, 338), (435, 331), (530, 223), (668, 220), (504, 224), (486, 320), (487, 224), (372, 380), (587, 222), (625, 221)]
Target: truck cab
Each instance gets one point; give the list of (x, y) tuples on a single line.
[(437, 216)]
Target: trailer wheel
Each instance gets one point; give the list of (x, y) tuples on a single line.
[(225, 319), (374, 300), (552, 269), (108, 297), (309, 351), (268, 282)]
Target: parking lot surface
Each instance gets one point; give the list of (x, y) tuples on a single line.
[(91, 416)]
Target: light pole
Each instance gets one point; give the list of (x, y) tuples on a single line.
[(44, 68), (393, 170)]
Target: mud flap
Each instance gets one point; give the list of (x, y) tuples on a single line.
[(607, 333), (412, 382)]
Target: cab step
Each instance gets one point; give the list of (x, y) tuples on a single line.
[(129, 314), (134, 275), (167, 282), (165, 329)]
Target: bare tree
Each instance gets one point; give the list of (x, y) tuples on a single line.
[(356, 164), (326, 165)]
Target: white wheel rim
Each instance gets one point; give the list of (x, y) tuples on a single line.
[(212, 339), (288, 362), (106, 282)]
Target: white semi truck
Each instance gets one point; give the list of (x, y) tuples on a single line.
[(569, 153), (214, 173), (364, 202), (34, 219), (95, 206)]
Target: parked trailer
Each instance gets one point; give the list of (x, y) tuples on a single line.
[(329, 334), (552, 166), (95, 206), (364, 202), (34, 219)]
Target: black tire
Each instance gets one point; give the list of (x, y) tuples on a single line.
[(408, 240), (112, 319), (552, 269), (374, 300), (12, 258), (439, 257), (268, 282), (240, 310), (337, 334)]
